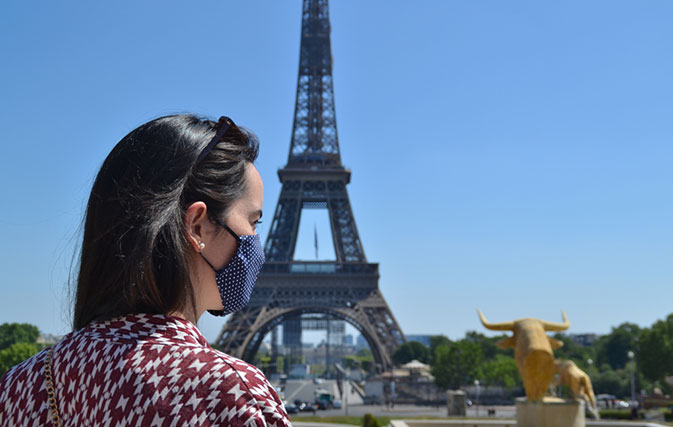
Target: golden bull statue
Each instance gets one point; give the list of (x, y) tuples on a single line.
[(533, 350), (578, 382)]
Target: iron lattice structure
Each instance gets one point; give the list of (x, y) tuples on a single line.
[(314, 178)]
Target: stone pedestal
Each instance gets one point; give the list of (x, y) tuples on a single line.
[(550, 412), (455, 400)]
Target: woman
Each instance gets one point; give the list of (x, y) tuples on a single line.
[(170, 232)]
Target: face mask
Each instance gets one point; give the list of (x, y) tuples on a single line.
[(236, 280)]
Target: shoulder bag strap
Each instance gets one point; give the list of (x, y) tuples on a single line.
[(51, 391)]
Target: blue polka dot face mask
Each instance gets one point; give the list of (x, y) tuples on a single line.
[(236, 280)]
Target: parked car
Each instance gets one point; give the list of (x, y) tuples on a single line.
[(323, 399), (336, 404), (619, 404), (306, 407), (605, 401), (291, 408)]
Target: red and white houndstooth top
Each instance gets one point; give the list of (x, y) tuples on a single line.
[(140, 370)]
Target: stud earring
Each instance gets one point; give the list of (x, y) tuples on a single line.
[(202, 245)]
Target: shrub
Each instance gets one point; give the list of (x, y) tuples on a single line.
[(615, 414), (369, 421)]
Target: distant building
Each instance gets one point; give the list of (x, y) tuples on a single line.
[(48, 339), (584, 340), (361, 342), (423, 339), (318, 354), (348, 339)]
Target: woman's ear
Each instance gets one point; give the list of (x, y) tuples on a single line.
[(196, 219)]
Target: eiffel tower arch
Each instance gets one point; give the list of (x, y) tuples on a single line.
[(314, 178)]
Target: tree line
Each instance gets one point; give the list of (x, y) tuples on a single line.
[(476, 357), (18, 342)]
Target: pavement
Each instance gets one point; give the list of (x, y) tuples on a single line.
[(408, 411)]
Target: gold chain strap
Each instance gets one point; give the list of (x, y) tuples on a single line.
[(53, 407)]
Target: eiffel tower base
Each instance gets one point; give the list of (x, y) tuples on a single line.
[(347, 292)]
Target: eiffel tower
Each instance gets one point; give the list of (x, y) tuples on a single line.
[(314, 178)]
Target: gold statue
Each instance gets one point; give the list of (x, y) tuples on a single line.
[(578, 382), (533, 350)]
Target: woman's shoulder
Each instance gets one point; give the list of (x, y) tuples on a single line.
[(243, 382), (250, 372), (226, 366)]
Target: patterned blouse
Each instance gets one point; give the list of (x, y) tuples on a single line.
[(140, 370)]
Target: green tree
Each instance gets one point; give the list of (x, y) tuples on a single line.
[(614, 347), (364, 359), (12, 333), (367, 365), (264, 363), (575, 352), (488, 345), (280, 364), (15, 354), (501, 370), (656, 350), (436, 341), (411, 350), (456, 364), (612, 381), (365, 353), (350, 362)]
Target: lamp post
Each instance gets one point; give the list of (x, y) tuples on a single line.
[(634, 404), (476, 384), (590, 362), (631, 355)]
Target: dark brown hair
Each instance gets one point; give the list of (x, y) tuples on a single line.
[(134, 256)]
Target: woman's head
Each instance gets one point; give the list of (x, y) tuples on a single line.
[(153, 205)]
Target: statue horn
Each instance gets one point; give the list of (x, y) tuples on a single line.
[(551, 326), (505, 326)]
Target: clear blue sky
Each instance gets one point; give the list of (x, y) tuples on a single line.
[(512, 156)]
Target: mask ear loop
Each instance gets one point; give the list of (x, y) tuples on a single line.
[(226, 227), (208, 262)]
